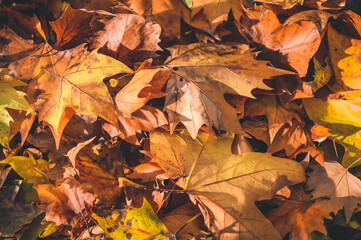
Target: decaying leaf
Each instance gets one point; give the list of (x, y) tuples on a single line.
[(340, 188), (132, 223)]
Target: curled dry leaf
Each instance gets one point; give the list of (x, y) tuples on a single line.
[(61, 202)]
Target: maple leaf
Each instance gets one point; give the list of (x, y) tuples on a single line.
[(233, 182), (132, 223), (215, 70), (71, 81), (64, 200), (337, 184), (10, 98)]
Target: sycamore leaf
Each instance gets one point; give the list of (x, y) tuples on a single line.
[(338, 184), (218, 69), (30, 169), (345, 54), (342, 117), (65, 82), (234, 182), (299, 218), (9, 98), (132, 223), (64, 200)]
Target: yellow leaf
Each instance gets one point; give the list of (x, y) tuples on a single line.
[(30, 169), (132, 223), (233, 182)]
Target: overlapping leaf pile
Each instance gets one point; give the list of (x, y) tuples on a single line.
[(180, 119)]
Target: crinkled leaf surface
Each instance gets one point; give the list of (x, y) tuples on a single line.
[(9, 98), (132, 223), (234, 182)]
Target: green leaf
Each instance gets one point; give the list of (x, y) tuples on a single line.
[(30, 169), (9, 98), (132, 223)]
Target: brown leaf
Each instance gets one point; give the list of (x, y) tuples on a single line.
[(128, 38), (22, 123), (299, 218), (296, 43), (144, 119), (64, 200), (335, 182), (215, 70)]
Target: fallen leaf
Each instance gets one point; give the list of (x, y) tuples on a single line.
[(293, 44), (132, 223), (338, 185), (345, 56), (215, 70), (22, 123), (277, 115), (61, 202), (128, 38), (214, 172), (145, 85), (14, 47), (64, 83), (146, 119), (286, 4), (342, 118), (10, 98), (30, 169), (299, 218)]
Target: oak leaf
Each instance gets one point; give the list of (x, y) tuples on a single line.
[(215, 70), (338, 185), (10, 98), (233, 182), (132, 223)]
